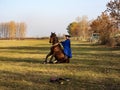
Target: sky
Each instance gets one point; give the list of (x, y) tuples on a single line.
[(45, 16)]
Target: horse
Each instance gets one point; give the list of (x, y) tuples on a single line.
[(56, 51)]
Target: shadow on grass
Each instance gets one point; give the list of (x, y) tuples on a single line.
[(26, 48), (26, 51), (106, 84), (93, 49), (99, 55), (105, 67), (16, 60), (82, 45)]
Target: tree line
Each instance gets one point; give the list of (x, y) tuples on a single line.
[(107, 25), (12, 30)]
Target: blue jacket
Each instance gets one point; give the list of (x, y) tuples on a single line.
[(67, 48)]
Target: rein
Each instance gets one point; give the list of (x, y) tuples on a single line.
[(55, 44)]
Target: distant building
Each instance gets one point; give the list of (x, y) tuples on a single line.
[(94, 37)]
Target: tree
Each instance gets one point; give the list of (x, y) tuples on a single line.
[(12, 30), (22, 30), (103, 25), (73, 29), (83, 27), (113, 7), (79, 28)]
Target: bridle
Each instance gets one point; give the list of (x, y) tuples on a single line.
[(53, 39)]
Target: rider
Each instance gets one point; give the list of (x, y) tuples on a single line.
[(67, 46)]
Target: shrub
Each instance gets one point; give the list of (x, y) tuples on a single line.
[(118, 41), (112, 42)]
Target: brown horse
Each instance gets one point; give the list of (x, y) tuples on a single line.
[(56, 51)]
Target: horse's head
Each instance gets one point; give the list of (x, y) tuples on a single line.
[(53, 38)]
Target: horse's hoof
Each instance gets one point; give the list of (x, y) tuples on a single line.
[(44, 62), (51, 62), (55, 61)]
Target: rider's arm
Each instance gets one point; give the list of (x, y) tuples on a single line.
[(57, 43)]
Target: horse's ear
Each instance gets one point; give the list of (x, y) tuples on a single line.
[(51, 32)]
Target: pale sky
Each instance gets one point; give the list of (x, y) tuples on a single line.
[(45, 16)]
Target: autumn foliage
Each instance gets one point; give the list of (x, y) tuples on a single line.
[(107, 25), (12, 30), (79, 28), (104, 26)]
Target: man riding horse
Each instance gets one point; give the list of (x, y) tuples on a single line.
[(61, 56)]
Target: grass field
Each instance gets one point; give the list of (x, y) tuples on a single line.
[(91, 68)]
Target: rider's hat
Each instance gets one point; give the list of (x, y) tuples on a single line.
[(67, 36)]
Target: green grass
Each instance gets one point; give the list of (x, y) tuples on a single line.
[(91, 68)]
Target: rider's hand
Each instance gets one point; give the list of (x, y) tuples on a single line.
[(60, 41)]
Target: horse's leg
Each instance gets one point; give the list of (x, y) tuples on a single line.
[(49, 54), (67, 60), (53, 61), (50, 61)]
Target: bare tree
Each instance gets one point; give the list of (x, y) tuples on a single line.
[(83, 27), (113, 8), (12, 30), (22, 30)]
